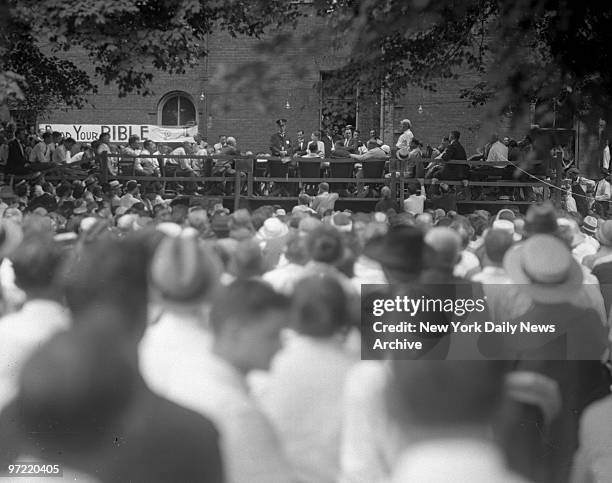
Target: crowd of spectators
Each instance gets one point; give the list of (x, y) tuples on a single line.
[(181, 343)]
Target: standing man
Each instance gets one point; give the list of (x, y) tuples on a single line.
[(406, 136), (41, 152), (17, 163), (280, 144)]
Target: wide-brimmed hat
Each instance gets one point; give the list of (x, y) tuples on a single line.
[(604, 233), (589, 225), (541, 218), (546, 266), (402, 153), (400, 249), (183, 270), (271, 229), (10, 237)]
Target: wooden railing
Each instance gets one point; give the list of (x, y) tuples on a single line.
[(258, 162)]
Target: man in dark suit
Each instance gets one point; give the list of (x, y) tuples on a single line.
[(300, 147), (280, 143), (17, 162), (454, 152)]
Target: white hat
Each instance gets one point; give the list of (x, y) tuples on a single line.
[(272, 228), (170, 229), (87, 223), (386, 149)]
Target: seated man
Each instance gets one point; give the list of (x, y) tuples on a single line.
[(147, 166), (453, 152), (375, 152)]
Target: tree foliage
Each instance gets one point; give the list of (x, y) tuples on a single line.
[(126, 41)]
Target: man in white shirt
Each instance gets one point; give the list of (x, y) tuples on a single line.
[(315, 137), (605, 163), (147, 166), (62, 153), (497, 152), (406, 136), (209, 377), (41, 152), (132, 194), (324, 201), (35, 263), (415, 203), (602, 195)]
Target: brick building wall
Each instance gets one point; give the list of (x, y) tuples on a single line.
[(243, 115)]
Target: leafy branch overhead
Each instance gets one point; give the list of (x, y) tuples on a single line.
[(126, 40)]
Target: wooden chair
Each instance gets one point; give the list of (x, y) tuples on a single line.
[(309, 168), (339, 170), (278, 169)]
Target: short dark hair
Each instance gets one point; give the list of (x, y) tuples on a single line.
[(449, 392), (313, 147), (325, 244), (496, 244), (133, 138), (246, 301), (455, 134), (36, 262), (46, 135), (319, 306), (108, 272)]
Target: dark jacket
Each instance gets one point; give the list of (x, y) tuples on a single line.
[(301, 148), (454, 152), (154, 441), (280, 143), (16, 162)]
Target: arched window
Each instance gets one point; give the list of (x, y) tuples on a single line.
[(177, 109)]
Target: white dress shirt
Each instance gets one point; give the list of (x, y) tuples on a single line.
[(415, 203), (606, 158), (41, 153), (21, 334), (498, 152), (460, 460), (405, 139), (284, 278), (302, 396), (370, 441), (177, 362)]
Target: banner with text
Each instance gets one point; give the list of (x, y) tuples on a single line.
[(120, 133)]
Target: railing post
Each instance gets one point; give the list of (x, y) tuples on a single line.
[(103, 160), (558, 163), (236, 189), (250, 182)]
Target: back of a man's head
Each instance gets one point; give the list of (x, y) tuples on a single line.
[(36, 262), (246, 318), (443, 246), (496, 244), (319, 307), (110, 274), (325, 244), (442, 395)]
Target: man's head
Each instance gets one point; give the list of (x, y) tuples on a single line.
[(231, 141), (405, 124), (247, 317), (313, 148), (315, 136), (36, 262), (150, 146), (300, 135), (104, 138), (348, 133), (444, 247), (21, 134), (496, 244), (319, 307), (323, 187), (188, 147), (132, 187), (222, 139), (134, 141), (414, 143), (356, 134), (109, 275), (454, 136), (56, 137), (282, 125), (47, 137)]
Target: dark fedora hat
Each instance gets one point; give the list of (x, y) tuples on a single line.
[(400, 250)]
